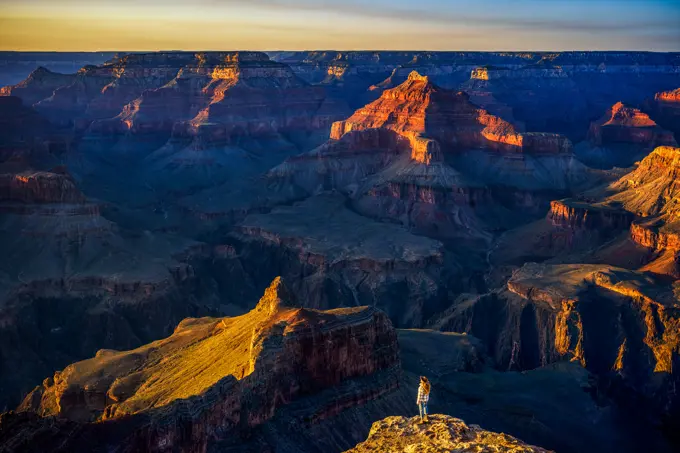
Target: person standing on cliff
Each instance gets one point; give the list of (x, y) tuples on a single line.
[(423, 398)]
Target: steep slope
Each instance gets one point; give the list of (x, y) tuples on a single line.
[(40, 84), (216, 379), (27, 140), (665, 109), (72, 281), (548, 313), (650, 191), (180, 122), (428, 158), (563, 92), (442, 434), (621, 137), (418, 107), (638, 211), (335, 257)]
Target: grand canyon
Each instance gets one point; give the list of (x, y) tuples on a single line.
[(244, 251)]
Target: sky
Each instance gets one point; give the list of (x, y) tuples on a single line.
[(127, 25)]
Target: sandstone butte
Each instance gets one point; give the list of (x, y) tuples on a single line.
[(422, 112), (625, 124), (212, 377), (443, 434), (424, 156)]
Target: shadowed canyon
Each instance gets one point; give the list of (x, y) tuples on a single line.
[(262, 252)]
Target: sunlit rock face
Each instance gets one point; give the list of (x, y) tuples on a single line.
[(623, 124), (401, 273), (425, 157), (546, 313), (235, 372), (623, 136), (418, 107), (441, 434), (149, 92), (665, 109)]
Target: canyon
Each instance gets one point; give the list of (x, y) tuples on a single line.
[(502, 222)]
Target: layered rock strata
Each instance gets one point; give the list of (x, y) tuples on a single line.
[(346, 259), (398, 159), (550, 313), (442, 434), (625, 124), (418, 107), (581, 215), (235, 373)]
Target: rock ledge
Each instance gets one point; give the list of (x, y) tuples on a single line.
[(443, 434)]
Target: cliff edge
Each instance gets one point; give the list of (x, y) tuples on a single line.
[(442, 434)]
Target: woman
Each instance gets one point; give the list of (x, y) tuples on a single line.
[(423, 397)]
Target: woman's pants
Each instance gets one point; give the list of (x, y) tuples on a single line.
[(422, 406)]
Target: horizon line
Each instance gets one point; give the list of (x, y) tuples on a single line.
[(340, 50)]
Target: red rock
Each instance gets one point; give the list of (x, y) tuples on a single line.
[(668, 96), (283, 353), (39, 187), (574, 214), (623, 124), (419, 108)]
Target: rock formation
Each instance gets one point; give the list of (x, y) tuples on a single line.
[(16, 66), (346, 259), (624, 124), (671, 97), (214, 378), (418, 107), (580, 215), (554, 308), (621, 137), (40, 84), (424, 156), (665, 108), (442, 434)]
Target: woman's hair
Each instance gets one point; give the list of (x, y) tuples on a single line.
[(426, 384)]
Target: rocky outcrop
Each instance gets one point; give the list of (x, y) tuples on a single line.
[(235, 373), (72, 281), (39, 85), (40, 187), (671, 97), (581, 215), (440, 435), (665, 109), (625, 124), (550, 313), (655, 235), (345, 259), (228, 105), (650, 189), (419, 108), (424, 156), (147, 92)]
